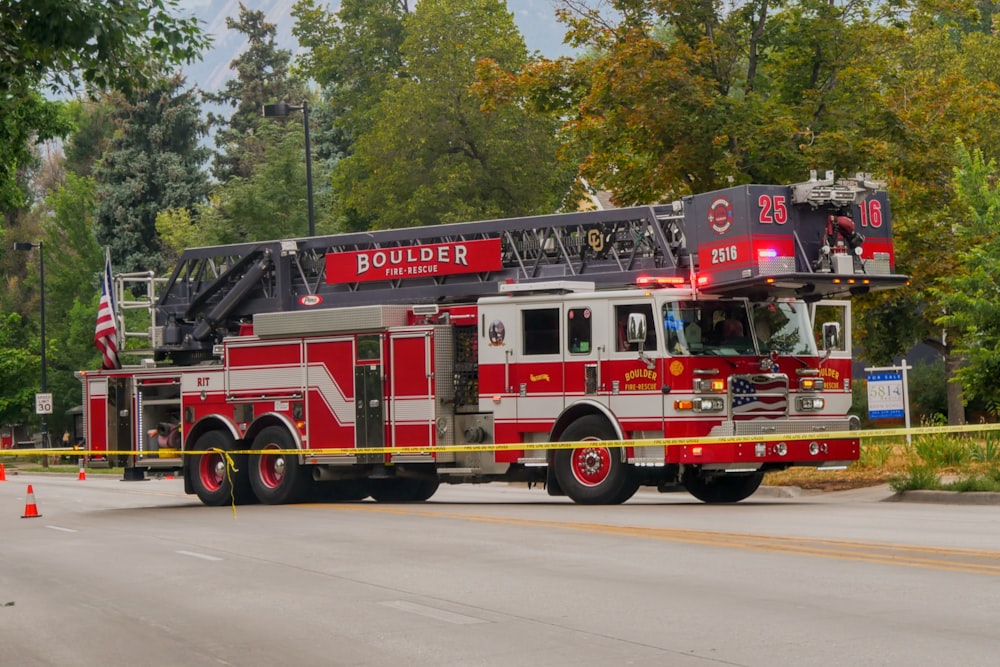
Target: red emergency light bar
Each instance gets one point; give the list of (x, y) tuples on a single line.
[(660, 281)]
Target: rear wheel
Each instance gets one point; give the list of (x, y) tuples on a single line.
[(731, 488), (594, 475), (277, 478), (403, 489), (213, 480)]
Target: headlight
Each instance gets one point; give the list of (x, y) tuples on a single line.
[(709, 405), (809, 403)]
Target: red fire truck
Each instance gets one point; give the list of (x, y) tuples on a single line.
[(675, 345)]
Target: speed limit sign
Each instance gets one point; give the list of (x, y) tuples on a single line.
[(43, 404)]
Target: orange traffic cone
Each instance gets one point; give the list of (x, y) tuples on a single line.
[(83, 474), (3, 474), (30, 509)]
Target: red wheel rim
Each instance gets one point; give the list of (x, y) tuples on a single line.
[(591, 465), (212, 471), (271, 468)]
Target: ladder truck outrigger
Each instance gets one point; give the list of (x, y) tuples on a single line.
[(690, 346)]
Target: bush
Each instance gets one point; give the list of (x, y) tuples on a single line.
[(987, 451), (876, 454), (986, 482), (940, 450), (918, 476)]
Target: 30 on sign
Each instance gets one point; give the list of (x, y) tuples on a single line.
[(43, 404)]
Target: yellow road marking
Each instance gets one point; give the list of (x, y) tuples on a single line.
[(969, 561)]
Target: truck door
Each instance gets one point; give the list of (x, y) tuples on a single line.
[(120, 418), (412, 412), (369, 417), (537, 376), (332, 382), (632, 380), (582, 352), (832, 330)]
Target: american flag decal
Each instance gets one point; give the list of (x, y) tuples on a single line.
[(757, 395)]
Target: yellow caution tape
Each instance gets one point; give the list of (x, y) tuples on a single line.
[(870, 434)]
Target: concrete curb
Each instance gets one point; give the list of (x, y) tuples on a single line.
[(946, 497)]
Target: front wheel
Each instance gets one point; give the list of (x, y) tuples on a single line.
[(731, 488), (213, 479), (594, 475), (276, 475)]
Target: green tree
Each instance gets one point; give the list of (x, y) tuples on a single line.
[(18, 367), (939, 85), (69, 227), (154, 163), (59, 44), (262, 77), (93, 129), (71, 277), (969, 295), (433, 155), (354, 55), (672, 98), (26, 118), (269, 204)]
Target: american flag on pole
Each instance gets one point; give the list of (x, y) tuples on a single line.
[(106, 333)]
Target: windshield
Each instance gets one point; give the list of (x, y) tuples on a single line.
[(783, 327), (707, 327), (737, 327)]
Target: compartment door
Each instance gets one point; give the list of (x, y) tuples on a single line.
[(412, 410)]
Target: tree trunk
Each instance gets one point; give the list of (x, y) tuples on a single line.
[(956, 406)]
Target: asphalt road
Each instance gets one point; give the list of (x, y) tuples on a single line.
[(117, 573)]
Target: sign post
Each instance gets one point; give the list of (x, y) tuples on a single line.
[(888, 394)]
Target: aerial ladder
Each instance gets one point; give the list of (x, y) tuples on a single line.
[(802, 240)]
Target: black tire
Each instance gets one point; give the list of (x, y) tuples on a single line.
[(730, 488), (594, 475), (212, 482), (403, 489), (424, 489), (277, 479)]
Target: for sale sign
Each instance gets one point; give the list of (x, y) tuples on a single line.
[(885, 396)]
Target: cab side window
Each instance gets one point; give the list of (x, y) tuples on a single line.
[(578, 330), (621, 323), (540, 328), (682, 328)]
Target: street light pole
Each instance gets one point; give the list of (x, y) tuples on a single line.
[(309, 175), (282, 110), (41, 296)]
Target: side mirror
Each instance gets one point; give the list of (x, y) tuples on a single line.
[(831, 336), (635, 331)]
